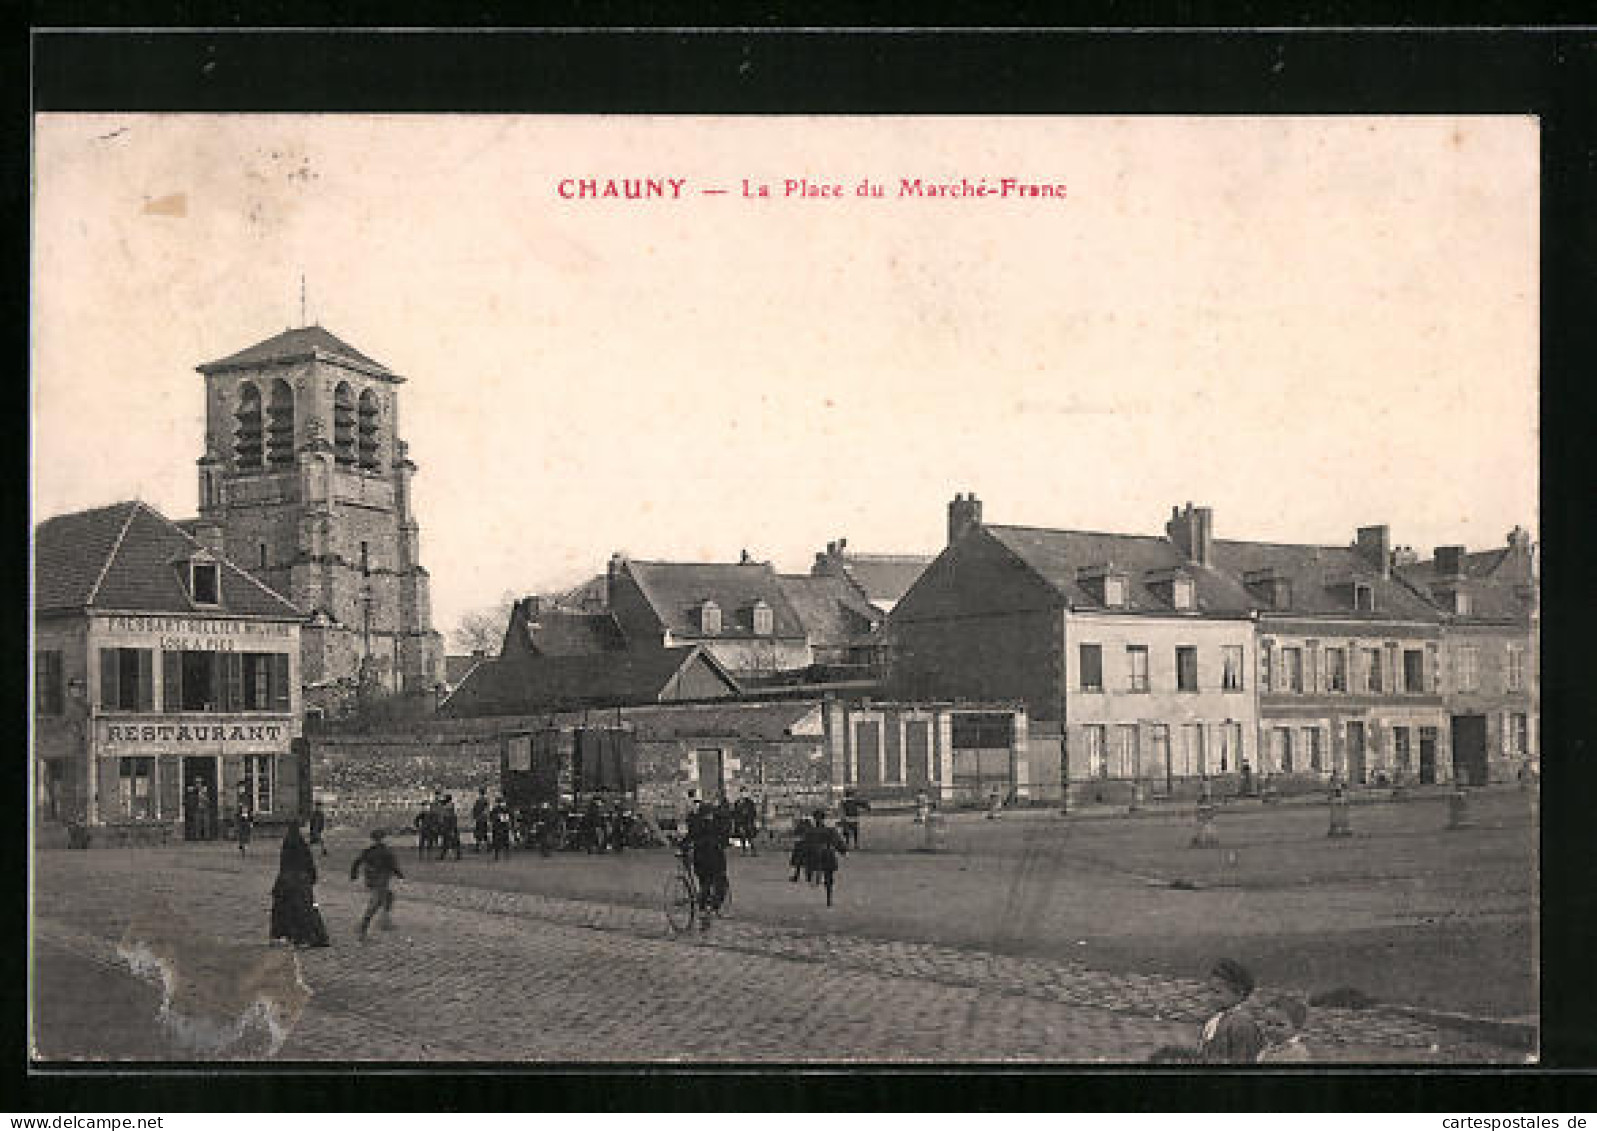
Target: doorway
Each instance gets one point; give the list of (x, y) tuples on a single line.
[(1427, 755), (199, 798), (1355, 753), (1469, 749), (712, 773)]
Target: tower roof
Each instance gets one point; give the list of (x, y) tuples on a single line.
[(308, 343)]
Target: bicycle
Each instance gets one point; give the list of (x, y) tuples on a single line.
[(682, 893)]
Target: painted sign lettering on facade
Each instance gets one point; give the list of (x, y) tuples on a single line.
[(243, 737)]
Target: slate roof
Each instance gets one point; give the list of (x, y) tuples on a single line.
[(457, 668), (675, 590), (885, 577), (1317, 575), (530, 683), (562, 632), (831, 609), (304, 344), (1057, 556), (128, 557), (1494, 579)]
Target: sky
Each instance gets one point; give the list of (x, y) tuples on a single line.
[(1307, 324)]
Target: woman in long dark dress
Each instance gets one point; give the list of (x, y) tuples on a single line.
[(295, 916)]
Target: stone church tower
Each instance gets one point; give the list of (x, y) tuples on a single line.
[(306, 482)]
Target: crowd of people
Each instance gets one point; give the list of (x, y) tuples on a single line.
[(438, 827)]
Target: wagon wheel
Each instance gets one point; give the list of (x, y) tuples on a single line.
[(680, 903)]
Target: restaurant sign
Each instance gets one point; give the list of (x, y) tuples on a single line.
[(221, 736)]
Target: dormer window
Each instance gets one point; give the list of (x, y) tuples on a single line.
[(1273, 590), (1363, 597), (1174, 586), (205, 582), (1106, 583), (710, 618), (763, 619)]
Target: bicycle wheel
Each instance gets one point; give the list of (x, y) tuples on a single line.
[(680, 903)]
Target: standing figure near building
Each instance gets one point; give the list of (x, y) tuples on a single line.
[(191, 811), (381, 867), (244, 826), (745, 822), (427, 828), (318, 827), (499, 822), (479, 820), (825, 846), (295, 916), (448, 829), (853, 806), (203, 797), (595, 825)]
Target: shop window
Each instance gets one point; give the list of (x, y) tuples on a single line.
[(1092, 741), (127, 679), (1312, 752), (1159, 754), (1137, 667), (1124, 762), (1231, 658), (1186, 668), (1091, 667), (47, 683), (1193, 762), (260, 781), (1402, 751), (1281, 740), (136, 788)]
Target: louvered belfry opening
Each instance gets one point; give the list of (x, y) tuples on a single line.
[(247, 434), (344, 425), (369, 423), (280, 426)]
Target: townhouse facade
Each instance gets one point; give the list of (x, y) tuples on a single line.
[(166, 680)]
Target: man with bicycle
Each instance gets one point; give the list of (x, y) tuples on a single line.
[(704, 846)]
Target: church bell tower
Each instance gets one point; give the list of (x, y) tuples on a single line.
[(307, 482)]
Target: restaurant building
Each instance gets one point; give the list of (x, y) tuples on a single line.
[(166, 682)]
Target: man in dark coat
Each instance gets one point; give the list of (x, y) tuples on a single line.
[(707, 847), (852, 808), (479, 819), (448, 829), (426, 828), (318, 827), (499, 823), (745, 821), (381, 867), (823, 849)]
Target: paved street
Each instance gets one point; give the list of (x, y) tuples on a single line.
[(480, 972)]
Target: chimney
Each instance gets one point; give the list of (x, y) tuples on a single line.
[(964, 515), (1404, 556), (208, 534), (745, 558), (1191, 530), (1519, 542), (1449, 561), (1375, 543), (612, 575)]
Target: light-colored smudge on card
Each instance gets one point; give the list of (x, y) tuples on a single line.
[(173, 204), (219, 999)]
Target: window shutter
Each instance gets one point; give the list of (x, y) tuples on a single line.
[(279, 681), (108, 679), (146, 665), (172, 681), (230, 685)]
